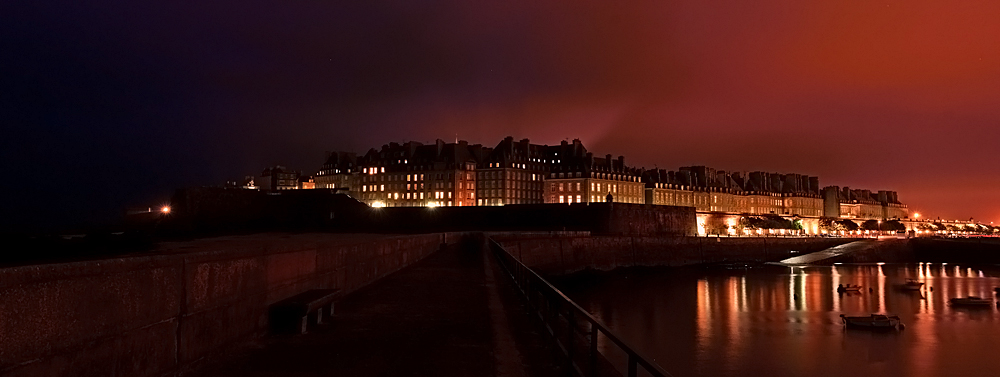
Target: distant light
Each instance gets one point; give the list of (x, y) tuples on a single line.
[(378, 204), (165, 209), (431, 205), (880, 263)]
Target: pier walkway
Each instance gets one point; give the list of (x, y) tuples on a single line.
[(451, 314)]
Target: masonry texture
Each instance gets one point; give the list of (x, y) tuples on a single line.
[(162, 313), (563, 254)]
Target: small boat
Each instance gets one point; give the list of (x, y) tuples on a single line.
[(970, 301), (872, 322), (848, 288), (913, 285)]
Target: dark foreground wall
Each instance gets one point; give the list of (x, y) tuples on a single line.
[(961, 250), (213, 211), (557, 255), (598, 218), (160, 314)]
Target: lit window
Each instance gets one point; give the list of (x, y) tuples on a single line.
[(382, 188), (562, 199), (578, 198), (383, 169)]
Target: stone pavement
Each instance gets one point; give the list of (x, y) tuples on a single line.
[(451, 314)]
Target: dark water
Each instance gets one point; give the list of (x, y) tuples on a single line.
[(784, 321)]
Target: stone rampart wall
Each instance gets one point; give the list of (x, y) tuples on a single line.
[(161, 314), (567, 254)]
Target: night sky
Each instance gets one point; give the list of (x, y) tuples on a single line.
[(106, 104)]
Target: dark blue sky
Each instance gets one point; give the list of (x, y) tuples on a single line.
[(106, 104)]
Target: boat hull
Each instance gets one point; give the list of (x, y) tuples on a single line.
[(971, 301), (873, 322)]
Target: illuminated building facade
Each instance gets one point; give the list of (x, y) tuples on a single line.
[(307, 182), (512, 173), (756, 193), (340, 172), (278, 178), (863, 204), (417, 175), (576, 176)]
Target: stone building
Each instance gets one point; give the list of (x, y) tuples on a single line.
[(417, 175), (512, 173), (278, 178), (340, 172), (757, 193), (862, 204), (576, 176)]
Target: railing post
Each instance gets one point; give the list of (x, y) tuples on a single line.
[(593, 349), (570, 331), (632, 365)]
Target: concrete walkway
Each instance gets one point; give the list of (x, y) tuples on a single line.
[(451, 314), (833, 252)]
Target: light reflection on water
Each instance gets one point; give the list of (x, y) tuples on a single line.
[(784, 321)]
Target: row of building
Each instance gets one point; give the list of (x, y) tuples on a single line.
[(413, 174)]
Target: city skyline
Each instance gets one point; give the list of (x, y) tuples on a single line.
[(340, 163), (108, 105)]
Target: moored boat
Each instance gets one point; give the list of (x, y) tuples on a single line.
[(848, 288), (913, 284), (872, 322), (970, 301)]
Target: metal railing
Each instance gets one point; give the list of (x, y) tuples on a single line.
[(575, 332)]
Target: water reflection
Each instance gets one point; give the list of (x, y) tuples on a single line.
[(784, 321)]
